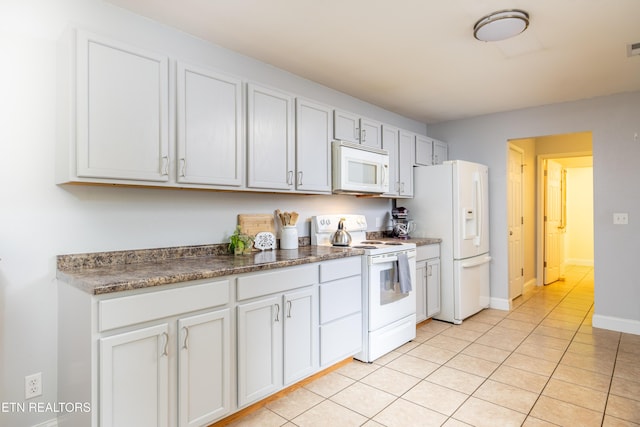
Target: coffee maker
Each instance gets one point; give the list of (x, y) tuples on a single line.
[(402, 226)]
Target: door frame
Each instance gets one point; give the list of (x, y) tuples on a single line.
[(540, 207)]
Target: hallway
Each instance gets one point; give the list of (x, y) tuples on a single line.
[(540, 364)]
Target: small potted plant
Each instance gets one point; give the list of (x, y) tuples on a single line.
[(240, 243)]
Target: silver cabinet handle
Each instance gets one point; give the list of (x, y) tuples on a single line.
[(363, 138), (186, 338), (183, 169), (290, 305), (164, 166), (429, 272), (356, 134), (165, 352), (277, 312), (290, 178), (300, 178)]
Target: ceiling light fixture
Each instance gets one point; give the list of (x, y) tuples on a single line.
[(501, 25)]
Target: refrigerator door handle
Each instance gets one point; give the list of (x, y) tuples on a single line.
[(476, 263), (478, 237)]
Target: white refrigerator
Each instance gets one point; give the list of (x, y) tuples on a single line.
[(451, 202)]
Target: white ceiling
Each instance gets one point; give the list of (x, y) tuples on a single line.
[(418, 57)]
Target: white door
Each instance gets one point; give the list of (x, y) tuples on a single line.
[(390, 144), (424, 150), (204, 379), (134, 378), (515, 222), (259, 349), (122, 111), (270, 139), (210, 139), (300, 334), (553, 231), (440, 152), (313, 147), (470, 209)]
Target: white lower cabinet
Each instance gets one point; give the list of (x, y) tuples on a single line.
[(427, 282), (134, 378), (204, 368), (277, 343), (180, 356), (341, 325)]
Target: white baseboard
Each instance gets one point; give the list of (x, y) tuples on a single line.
[(616, 324), (50, 423), (500, 304), (530, 284)]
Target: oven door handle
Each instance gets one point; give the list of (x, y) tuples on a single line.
[(382, 259)]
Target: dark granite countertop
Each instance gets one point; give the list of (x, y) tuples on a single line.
[(107, 272)]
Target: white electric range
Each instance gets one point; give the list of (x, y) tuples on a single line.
[(389, 310)]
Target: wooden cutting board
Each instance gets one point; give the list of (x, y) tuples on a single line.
[(252, 224)]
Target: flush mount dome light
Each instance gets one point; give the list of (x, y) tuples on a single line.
[(501, 25)]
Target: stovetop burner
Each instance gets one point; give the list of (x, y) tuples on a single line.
[(393, 243), (365, 247), (371, 242)]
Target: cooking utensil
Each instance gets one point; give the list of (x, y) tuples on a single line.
[(341, 237)]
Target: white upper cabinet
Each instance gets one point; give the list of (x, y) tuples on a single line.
[(440, 152), (270, 139), (313, 147), (424, 150), (210, 139), (122, 111), (406, 161), (352, 128), (390, 137)]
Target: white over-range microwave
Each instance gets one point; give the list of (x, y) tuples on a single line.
[(358, 169)]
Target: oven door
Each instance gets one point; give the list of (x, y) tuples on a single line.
[(386, 303)]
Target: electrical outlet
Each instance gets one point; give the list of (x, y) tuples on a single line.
[(33, 385), (620, 218)]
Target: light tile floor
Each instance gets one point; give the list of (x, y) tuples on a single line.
[(540, 364)]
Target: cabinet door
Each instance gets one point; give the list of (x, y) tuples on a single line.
[(134, 378), (122, 111), (313, 147), (210, 143), (270, 139), (300, 334), (433, 287), (405, 163), (370, 133), (390, 143), (259, 349), (424, 150), (421, 291), (346, 126), (204, 379), (440, 152)]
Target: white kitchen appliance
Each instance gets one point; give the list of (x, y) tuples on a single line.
[(389, 314), (359, 169), (451, 201)]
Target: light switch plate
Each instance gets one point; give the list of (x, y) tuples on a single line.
[(620, 218)]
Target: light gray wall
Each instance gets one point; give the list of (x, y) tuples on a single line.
[(613, 121), (39, 220)]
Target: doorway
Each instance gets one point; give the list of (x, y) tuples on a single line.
[(574, 152)]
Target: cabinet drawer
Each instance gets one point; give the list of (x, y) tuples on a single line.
[(340, 339), (119, 312), (340, 298), (332, 270), (427, 252), (285, 279)]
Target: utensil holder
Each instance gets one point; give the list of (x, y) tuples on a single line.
[(289, 237)]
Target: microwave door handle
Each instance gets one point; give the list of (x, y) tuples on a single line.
[(385, 175)]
